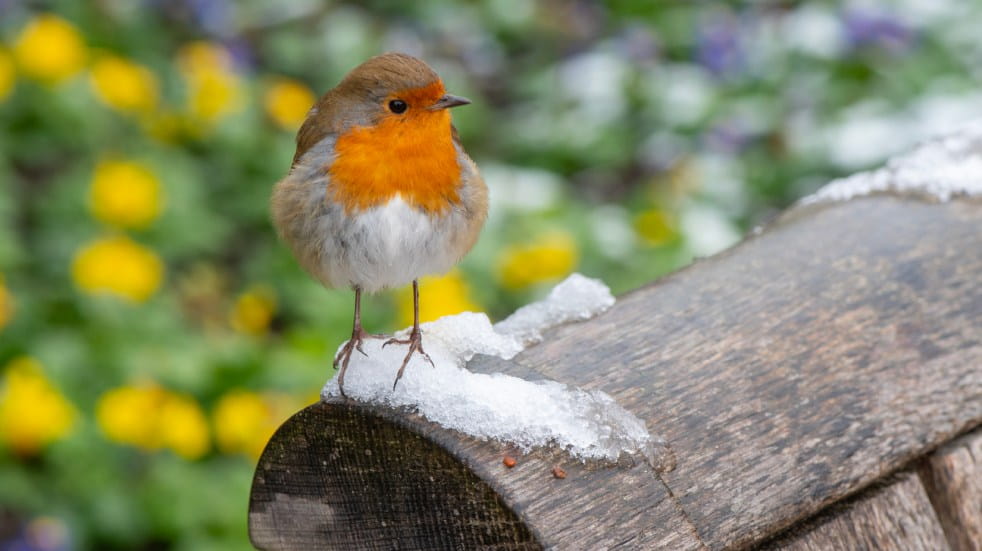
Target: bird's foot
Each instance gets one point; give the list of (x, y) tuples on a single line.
[(415, 342), (358, 336)]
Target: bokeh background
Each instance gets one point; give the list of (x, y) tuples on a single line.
[(153, 332)]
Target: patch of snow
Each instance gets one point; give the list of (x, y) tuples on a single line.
[(576, 298), (588, 424), (942, 168)]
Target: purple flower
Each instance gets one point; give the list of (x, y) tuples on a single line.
[(728, 137), (40, 534), (866, 28), (719, 48), (241, 52), (212, 16)]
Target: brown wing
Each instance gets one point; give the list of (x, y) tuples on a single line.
[(311, 132)]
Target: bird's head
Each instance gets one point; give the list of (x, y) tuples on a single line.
[(389, 90)]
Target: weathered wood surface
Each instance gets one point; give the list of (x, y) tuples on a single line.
[(799, 366), (787, 373), (953, 478), (364, 482), (897, 517)]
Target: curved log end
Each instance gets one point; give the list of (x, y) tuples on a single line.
[(360, 481)]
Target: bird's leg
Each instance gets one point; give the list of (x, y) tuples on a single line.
[(415, 340), (358, 335)]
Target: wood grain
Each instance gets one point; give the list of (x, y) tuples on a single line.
[(953, 478), (799, 366), (897, 517), (338, 477), (786, 373)]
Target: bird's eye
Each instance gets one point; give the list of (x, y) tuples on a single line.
[(398, 106)]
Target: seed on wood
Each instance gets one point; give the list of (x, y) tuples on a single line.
[(558, 472), (509, 461)]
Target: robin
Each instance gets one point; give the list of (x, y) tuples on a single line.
[(381, 191)]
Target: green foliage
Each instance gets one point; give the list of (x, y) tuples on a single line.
[(153, 329)]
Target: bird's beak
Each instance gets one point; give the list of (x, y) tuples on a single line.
[(448, 100)]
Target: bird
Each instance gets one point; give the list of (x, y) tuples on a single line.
[(380, 191)]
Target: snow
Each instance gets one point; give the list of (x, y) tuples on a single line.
[(577, 298), (942, 168), (588, 424)]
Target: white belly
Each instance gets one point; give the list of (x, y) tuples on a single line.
[(389, 246)]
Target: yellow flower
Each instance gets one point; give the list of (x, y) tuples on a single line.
[(123, 84), (152, 418), (253, 311), (6, 305), (125, 194), (7, 75), (214, 89), (201, 57), (127, 414), (32, 411), (287, 102), (183, 426), (655, 226), (439, 296), (550, 257), (245, 421), (119, 266), (50, 49)]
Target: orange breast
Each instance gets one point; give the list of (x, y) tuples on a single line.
[(412, 156)]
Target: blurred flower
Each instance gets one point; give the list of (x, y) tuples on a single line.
[(213, 15), (119, 266), (287, 102), (8, 76), (551, 257), (214, 89), (151, 417), (125, 194), (6, 305), (445, 295), (707, 229), (637, 43), (244, 421), (50, 49), (183, 426), (719, 47), (877, 29), (126, 414), (253, 311), (201, 57), (656, 227), (32, 411), (123, 84), (728, 136), (40, 534)]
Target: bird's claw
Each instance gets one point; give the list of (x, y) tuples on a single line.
[(415, 342), (358, 337)]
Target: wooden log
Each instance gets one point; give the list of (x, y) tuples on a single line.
[(341, 477), (786, 373), (953, 478), (800, 366), (894, 517)]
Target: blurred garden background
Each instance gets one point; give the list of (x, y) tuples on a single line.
[(153, 332)]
